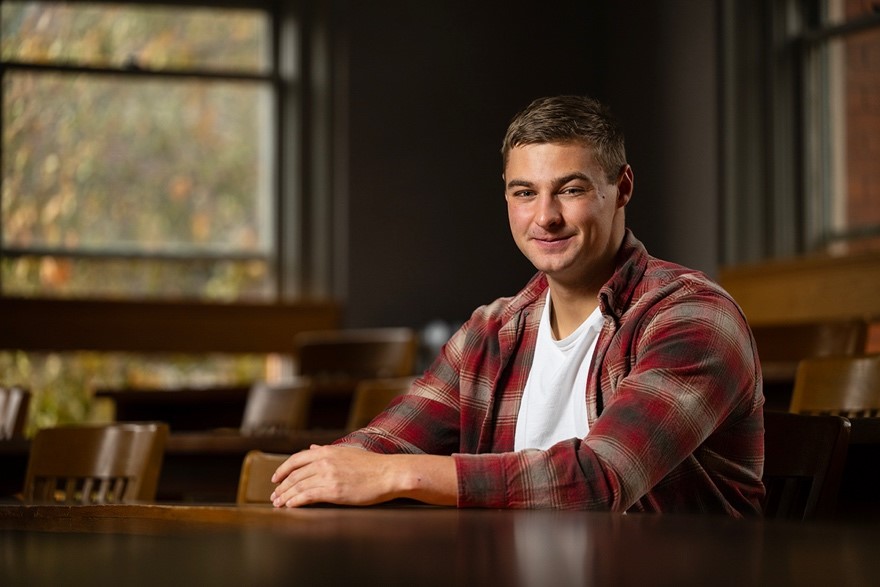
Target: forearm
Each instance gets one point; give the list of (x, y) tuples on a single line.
[(351, 476), (427, 478)]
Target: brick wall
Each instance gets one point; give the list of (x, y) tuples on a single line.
[(863, 121)]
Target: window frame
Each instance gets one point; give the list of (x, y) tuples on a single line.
[(819, 191), (297, 253), (772, 178), (307, 258)]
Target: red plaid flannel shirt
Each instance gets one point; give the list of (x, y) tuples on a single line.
[(674, 402)]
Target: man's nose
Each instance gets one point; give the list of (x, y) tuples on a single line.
[(548, 212)]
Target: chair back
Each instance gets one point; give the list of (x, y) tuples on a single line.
[(790, 343), (255, 482), (277, 409), (357, 353), (14, 404), (112, 463), (845, 386), (803, 464), (371, 396)]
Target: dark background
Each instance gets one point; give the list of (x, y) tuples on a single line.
[(427, 90)]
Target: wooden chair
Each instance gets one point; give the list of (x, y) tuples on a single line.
[(845, 386), (782, 346), (336, 360), (359, 353), (113, 463), (278, 408), (14, 404), (255, 482), (803, 464), (371, 396)]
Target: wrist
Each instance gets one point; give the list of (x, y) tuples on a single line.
[(428, 478)]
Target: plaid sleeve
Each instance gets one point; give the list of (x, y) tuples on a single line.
[(683, 372), (424, 420)]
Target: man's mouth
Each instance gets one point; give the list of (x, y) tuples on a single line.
[(550, 239)]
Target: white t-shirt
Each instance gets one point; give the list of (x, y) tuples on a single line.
[(554, 403)]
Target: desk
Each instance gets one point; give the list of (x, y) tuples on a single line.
[(207, 408), (182, 409), (423, 546)]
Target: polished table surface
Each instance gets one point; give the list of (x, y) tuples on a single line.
[(162, 545)]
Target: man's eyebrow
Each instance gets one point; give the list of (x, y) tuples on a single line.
[(556, 182), (571, 177), (519, 183)]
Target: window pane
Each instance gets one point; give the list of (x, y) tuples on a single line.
[(153, 37), (135, 165), (863, 129), (854, 124), (841, 11), (216, 280)]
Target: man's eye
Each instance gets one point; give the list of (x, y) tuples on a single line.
[(523, 193)]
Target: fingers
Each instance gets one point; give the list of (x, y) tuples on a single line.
[(306, 477), (304, 493), (325, 474), (290, 472), (295, 461)]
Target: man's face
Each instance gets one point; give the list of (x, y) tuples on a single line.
[(565, 216)]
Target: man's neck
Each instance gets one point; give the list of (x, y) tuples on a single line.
[(574, 299), (569, 309)]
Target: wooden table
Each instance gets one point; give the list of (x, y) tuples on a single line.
[(205, 408), (419, 546), (182, 409)]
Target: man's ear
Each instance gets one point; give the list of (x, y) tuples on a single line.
[(625, 182)]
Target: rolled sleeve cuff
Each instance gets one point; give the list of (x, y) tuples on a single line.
[(482, 480)]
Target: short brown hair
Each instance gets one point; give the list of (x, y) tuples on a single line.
[(562, 119)]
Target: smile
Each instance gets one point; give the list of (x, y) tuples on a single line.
[(551, 243)]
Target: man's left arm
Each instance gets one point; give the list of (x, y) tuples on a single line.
[(689, 367), (352, 476)]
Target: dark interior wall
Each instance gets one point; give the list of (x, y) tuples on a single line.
[(430, 90), (661, 76)]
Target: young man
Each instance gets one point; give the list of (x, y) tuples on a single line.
[(612, 381)]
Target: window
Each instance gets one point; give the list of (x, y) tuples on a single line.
[(140, 152), (168, 161), (801, 107), (842, 70)]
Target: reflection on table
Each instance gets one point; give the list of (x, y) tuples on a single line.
[(229, 545)]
